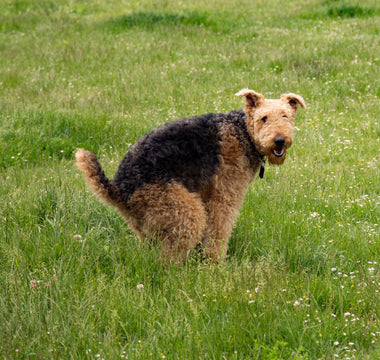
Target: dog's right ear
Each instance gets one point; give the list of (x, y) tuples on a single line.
[(294, 100), (252, 98)]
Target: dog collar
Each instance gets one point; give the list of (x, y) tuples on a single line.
[(262, 157), (262, 167)]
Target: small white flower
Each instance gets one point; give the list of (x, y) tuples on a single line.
[(347, 314), (336, 343), (296, 303), (140, 286)]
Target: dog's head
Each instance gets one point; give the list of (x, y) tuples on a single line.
[(270, 122)]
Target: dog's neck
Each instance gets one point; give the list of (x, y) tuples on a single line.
[(262, 157)]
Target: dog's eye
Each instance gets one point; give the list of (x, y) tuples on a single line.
[(264, 119)]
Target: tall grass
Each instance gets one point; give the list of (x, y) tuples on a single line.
[(302, 276)]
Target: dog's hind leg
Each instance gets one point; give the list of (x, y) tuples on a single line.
[(170, 214)]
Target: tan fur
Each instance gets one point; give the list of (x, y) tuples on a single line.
[(104, 189), (172, 214), (280, 115), (230, 186)]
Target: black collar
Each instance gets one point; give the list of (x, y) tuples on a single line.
[(262, 166)]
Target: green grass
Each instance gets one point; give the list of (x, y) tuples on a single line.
[(302, 278)]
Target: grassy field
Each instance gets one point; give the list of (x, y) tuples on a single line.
[(302, 278)]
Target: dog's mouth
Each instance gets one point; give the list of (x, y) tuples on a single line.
[(279, 152)]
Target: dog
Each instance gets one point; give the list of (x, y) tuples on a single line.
[(182, 184)]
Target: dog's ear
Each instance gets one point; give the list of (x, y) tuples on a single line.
[(294, 100), (252, 98)]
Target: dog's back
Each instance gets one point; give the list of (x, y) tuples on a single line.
[(185, 151)]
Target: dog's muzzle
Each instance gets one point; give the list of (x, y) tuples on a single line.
[(279, 151)]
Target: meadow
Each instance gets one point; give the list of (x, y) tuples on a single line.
[(302, 277)]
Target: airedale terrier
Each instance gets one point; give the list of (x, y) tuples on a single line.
[(182, 183)]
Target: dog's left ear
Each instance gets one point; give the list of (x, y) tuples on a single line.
[(294, 100)]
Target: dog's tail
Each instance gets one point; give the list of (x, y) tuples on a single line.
[(92, 171)]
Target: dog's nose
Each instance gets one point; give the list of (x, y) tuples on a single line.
[(279, 141)]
